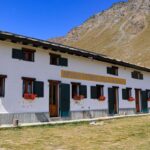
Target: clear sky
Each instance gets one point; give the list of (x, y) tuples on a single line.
[(47, 18)]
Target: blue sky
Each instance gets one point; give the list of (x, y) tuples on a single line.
[(48, 18)]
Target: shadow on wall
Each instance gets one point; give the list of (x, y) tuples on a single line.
[(41, 117)]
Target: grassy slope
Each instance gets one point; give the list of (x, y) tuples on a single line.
[(129, 133)]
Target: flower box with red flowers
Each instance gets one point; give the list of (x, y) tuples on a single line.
[(130, 99), (29, 96), (148, 99), (102, 98), (78, 97)]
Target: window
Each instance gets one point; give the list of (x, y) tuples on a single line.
[(2, 85), (79, 90), (28, 54), (58, 60), (112, 70), (137, 75), (23, 54), (148, 94), (28, 85), (54, 59), (126, 93), (31, 86), (97, 91)]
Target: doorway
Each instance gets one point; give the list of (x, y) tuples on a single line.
[(113, 100), (138, 100), (54, 98)]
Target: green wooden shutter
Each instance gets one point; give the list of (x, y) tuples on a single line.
[(141, 76), (111, 100), (83, 90), (94, 92), (109, 70), (124, 94), (17, 54), (63, 61), (38, 88), (65, 99), (144, 102)]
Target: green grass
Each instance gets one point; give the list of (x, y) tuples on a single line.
[(119, 134)]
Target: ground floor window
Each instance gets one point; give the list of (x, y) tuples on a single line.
[(2, 85), (79, 91), (126, 93), (97, 91), (28, 85)]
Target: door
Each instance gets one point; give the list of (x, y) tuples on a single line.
[(53, 98), (113, 100), (144, 102), (137, 100), (65, 100), (116, 100)]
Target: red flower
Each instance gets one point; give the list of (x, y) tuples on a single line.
[(102, 98), (30, 96), (131, 99), (148, 99)]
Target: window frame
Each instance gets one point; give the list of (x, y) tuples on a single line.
[(113, 70), (26, 82), (56, 56), (28, 54), (137, 75), (100, 90), (77, 86)]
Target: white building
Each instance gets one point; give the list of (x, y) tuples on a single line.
[(40, 80)]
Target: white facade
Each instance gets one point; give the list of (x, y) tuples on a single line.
[(15, 69)]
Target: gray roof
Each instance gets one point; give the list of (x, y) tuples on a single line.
[(15, 38)]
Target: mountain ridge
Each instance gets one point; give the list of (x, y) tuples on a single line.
[(120, 32)]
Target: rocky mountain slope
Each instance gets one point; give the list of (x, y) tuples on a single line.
[(121, 32)]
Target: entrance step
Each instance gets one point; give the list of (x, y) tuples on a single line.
[(55, 119)]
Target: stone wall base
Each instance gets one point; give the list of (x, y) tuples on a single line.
[(24, 118), (44, 116)]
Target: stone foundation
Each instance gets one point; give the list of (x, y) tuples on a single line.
[(44, 117), (24, 118)]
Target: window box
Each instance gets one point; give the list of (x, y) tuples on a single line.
[(148, 99), (102, 98), (130, 99), (30, 96), (78, 97)]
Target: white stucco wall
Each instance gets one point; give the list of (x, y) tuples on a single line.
[(41, 70)]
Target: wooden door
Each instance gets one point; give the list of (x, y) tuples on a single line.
[(53, 98), (137, 100)]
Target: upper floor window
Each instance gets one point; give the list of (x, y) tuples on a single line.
[(23, 54), (58, 60), (2, 85), (137, 75), (112, 70), (54, 59), (28, 54)]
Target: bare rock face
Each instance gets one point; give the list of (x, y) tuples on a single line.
[(121, 32)]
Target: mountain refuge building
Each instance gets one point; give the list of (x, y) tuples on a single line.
[(42, 80)]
